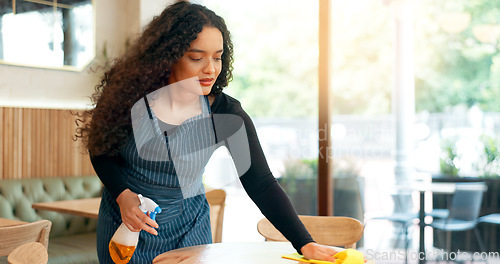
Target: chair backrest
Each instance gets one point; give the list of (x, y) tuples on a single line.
[(216, 199), (16, 235), (403, 202), (29, 253), (327, 230), (466, 201)]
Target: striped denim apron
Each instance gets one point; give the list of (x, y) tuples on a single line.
[(167, 169)]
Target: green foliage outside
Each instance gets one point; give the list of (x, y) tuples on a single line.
[(344, 167), (449, 155), (456, 69), (491, 167), (276, 56), (485, 164)]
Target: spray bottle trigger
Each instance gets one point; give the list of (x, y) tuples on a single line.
[(153, 214)]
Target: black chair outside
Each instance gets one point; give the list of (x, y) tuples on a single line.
[(404, 215), (463, 212), (439, 213), (490, 219)]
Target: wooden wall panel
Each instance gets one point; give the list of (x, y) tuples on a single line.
[(37, 143)]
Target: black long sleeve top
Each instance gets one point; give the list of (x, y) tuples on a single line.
[(257, 179)]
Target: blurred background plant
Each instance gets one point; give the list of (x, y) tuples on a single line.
[(308, 168), (299, 180), (491, 158), (485, 164), (298, 169), (448, 158), (104, 60)]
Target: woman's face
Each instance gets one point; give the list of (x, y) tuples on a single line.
[(201, 60)]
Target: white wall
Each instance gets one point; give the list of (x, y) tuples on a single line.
[(151, 8), (116, 20)]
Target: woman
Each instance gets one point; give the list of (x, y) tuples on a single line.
[(159, 115)]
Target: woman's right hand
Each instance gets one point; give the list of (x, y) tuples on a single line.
[(132, 216)]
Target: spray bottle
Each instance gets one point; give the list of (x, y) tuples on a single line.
[(124, 241)]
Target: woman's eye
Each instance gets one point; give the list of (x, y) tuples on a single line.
[(196, 59), (218, 59)]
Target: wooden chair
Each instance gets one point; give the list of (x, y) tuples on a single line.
[(336, 231), (13, 236), (216, 199), (29, 253)]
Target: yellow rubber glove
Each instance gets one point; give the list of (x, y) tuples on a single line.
[(349, 256)]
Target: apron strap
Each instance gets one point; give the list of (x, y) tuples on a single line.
[(147, 107)]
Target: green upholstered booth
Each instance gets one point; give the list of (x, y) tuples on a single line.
[(72, 238)]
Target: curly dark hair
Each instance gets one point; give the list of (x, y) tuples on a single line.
[(145, 68)]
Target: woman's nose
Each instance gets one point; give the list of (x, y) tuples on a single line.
[(209, 68)]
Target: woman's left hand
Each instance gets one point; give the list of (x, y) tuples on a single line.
[(318, 252)]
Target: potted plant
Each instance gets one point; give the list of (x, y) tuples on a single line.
[(486, 167), (299, 180), (491, 157), (448, 157)]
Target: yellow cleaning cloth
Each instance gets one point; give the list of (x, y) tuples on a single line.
[(298, 257), (348, 256)]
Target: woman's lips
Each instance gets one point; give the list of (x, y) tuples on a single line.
[(206, 81)]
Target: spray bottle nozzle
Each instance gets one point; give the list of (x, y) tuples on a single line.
[(153, 214), (149, 206)]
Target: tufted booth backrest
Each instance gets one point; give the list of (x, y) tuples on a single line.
[(16, 197)]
